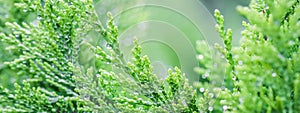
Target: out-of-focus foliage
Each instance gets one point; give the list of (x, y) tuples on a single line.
[(46, 52), (261, 76), (9, 13), (232, 17)]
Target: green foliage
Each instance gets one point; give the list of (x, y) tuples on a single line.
[(261, 76), (9, 13), (131, 86), (266, 64), (45, 55)]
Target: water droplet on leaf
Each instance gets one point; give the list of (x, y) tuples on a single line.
[(210, 108), (240, 62), (200, 57), (202, 89)]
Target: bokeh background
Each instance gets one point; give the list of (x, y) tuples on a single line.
[(166, 29), (232, 18)]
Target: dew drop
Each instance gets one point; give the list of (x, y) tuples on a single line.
[(39, 17), (205, 75), (241, 100), (200, 57), (202, 89), (108, 46), (211, 95), (291, 43), (31, 70), (86, 97), (52, 100), (225, 108), (210, 108), (66, 36), (140, 99), (240, 63), (233, 78), (274, 74), (160, 91)]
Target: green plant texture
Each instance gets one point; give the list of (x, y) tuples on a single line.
[(57, 56)]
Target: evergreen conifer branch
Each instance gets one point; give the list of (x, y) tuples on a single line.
[(45, 55), (116, 88), (262, 75)]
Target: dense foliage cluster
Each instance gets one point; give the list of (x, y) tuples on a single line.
[(43, 55)]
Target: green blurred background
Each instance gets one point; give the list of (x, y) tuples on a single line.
[(166, 29), (232, 19)]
